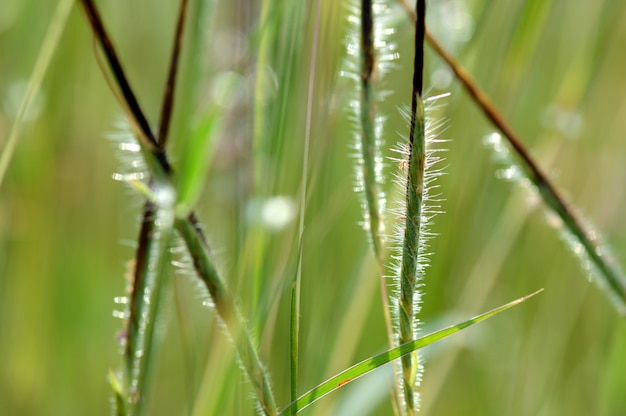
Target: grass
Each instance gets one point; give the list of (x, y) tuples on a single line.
[(412, 264), (62, 218)]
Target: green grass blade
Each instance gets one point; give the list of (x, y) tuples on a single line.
[(294, 326), (295, 300), (50, 43), (379, 360), (266, 34), (195, 160)]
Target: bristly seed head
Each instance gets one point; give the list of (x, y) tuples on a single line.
[(430, 206), (370, 54)]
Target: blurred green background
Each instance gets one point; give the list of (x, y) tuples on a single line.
[(555, 69)]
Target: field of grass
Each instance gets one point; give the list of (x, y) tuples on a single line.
[(553, 68)]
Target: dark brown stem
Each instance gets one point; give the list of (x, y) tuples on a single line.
[(147, 136), (170, 85), (114, 62), (367, 39), (608, 267), (187, 227), (418, 63), (137, 285)]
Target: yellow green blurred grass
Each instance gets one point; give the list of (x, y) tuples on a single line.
[(553, 68)]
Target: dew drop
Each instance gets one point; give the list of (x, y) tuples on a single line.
[(129, 147), (509, 174), (120, 300), (119, 314)]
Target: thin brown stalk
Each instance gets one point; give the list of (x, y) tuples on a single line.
[(168, 96), (188, 227), (138, 283), (129, 96), (611, 276), (147, 223)]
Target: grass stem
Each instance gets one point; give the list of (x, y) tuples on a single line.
[(158, 164), (151, 273), (370, 157), (610, 276), (410, 269), (229, 314), (170, 85)]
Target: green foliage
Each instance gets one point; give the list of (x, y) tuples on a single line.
[(62, 218), (195, 163), (370, 364)]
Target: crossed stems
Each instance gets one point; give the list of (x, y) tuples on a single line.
[(153, 148)]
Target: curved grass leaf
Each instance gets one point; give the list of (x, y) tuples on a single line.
[(379, 360)]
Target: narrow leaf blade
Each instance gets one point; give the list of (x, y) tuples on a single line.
[(379, 360)]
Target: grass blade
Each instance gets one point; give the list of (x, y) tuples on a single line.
[(610, 276), (294, 346), (195, 160), (294, 328), (158, 164), (370, 364), (51, 40)]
